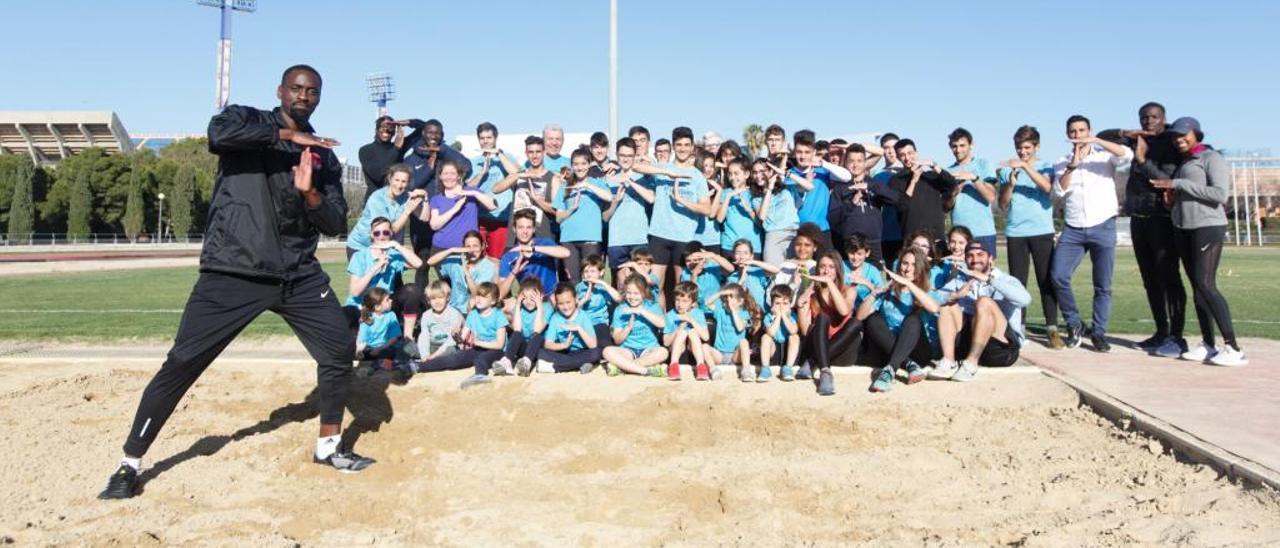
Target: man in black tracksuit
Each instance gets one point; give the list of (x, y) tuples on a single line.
[(266, 216), (1155, 157), (388, 147)]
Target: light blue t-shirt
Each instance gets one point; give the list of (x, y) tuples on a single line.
[(782, 212), (362, 261), (739, 224), (496, 173), (379, 204), (813, 203), (674, 321), (708, 281), (556, 332), (781, 336), (587, 223), (895, 310), (871, 273), (644, 334), (383, 328), (485, 270), (972, 210), (1030, 209), (485, 325), (891, 227), (727, 336), (670, 221), (552, 164), (629, 224), (529, 318), (756, 283), (597, 306)]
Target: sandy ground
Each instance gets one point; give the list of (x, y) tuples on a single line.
[(574, 460)]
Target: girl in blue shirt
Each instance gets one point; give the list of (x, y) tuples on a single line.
[(579, 211), (484, 335), (893, 319), (735, 211), (570, 343), (379, 337), (636, 325), (466, 268), (776, 209), (528, 318), (595, 297), (736, 315)]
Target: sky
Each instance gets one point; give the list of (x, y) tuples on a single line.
[(919, 69)]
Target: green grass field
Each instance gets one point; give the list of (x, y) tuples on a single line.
[(147, 304)]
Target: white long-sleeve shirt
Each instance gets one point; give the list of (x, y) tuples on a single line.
[(1091, 198)]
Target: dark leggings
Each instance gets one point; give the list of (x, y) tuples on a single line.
[(1154, 249), (1201, 249), (480, 359), (388, 351), (571, 361), (573, 263), (1037, 250), (823, 347), (910, 341), (519, 347)]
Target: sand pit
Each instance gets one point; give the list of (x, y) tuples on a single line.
[(572, 460)]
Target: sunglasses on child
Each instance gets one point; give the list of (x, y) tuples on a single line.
[(382, 233)]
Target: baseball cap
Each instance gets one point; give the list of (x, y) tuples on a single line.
[(1185, 125), (972, 246)]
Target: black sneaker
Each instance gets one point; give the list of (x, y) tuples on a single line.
[(1075, 335), (347, 462), (826, 383), (122, 484), (1153, 342), (1100, 343)]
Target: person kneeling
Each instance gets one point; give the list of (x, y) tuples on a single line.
[(981, 319)]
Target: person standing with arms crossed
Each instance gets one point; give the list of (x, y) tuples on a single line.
[(268, 211)]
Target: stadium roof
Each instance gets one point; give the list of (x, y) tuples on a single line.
[(52, 136)]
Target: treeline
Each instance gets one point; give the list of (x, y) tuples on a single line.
[(94, 192)]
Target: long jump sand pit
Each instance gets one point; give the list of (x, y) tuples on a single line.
[(599, 461)]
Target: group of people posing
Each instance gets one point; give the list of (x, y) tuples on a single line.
[(642, 259)]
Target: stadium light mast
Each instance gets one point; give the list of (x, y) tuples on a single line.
[(613, 69), (223, 72), (381, 90)]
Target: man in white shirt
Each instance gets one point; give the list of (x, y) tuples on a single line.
[(1085, 181)]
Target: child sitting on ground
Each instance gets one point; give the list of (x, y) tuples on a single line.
[(735, 313), (528, 315), (379, 337), (636, 324), (570, 343), (441, 323), (685, 329), (780, 333)]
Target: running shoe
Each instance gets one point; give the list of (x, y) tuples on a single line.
[(915, 373), (656, 371), (702, 372), (747, 374), (1200, 353), (1100, 343), (612, 370), (347, 462), (673, 371), (545, 366), (787, 374), (805, 372), (966, 371), (587, 368), (943, 371), (1171, 348), (503, 367), (475, 380), (766, 373), (826, 383), (1229, 357), (524, 366), (1055, 338), (716, 371), (884, 380), (1153, 342), (122, 484), (1075, 336)]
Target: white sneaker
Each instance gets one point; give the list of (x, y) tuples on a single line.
[(1200, 353), (1229, 357), (545, 366), (715, 372), (523, 366), (965, 371), (747, 374), (502, 367), (1168, 349), (945, 370)]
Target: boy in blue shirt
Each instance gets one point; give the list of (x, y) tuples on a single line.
[(781, 332), (529, 257), (976, 190), (484, 336)]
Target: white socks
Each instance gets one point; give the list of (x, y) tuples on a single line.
[(133, 463), (327, 446)]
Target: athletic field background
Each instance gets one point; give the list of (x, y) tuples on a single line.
[(147, 304)]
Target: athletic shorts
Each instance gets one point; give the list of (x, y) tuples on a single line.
[(619, 254), (666, 252), (637, 353), (996, 353)]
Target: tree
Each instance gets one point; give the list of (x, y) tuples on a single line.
[(753, 138), (182, 202), (135, 207), (80, 207), (22, 209)]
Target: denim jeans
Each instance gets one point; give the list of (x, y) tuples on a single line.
[(1099, 241)]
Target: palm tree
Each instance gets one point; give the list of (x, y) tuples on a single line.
[(753, 138)]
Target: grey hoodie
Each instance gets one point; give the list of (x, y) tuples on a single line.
[(1203, 182)]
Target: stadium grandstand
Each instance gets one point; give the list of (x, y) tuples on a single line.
[(51, 136)]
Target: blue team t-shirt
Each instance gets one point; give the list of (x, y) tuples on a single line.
[(380, 331), (379, 204), (783, 332), (813, 203), (557, 333), (362, 261), (669, 220), (529, 318), (782, 212), (708, 282), (871, 273), (727, 336), (485, 270), (674, 322), (496, 173), (629, 224), (971, 209), (586, 224), (485, 325), (538, 265), (1030, 209), (644, 334), (597, 306), (738, 223)]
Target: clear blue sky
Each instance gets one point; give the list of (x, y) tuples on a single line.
[(833, 66)]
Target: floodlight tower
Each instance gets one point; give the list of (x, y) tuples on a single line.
[(381, 90), (223, 73)]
